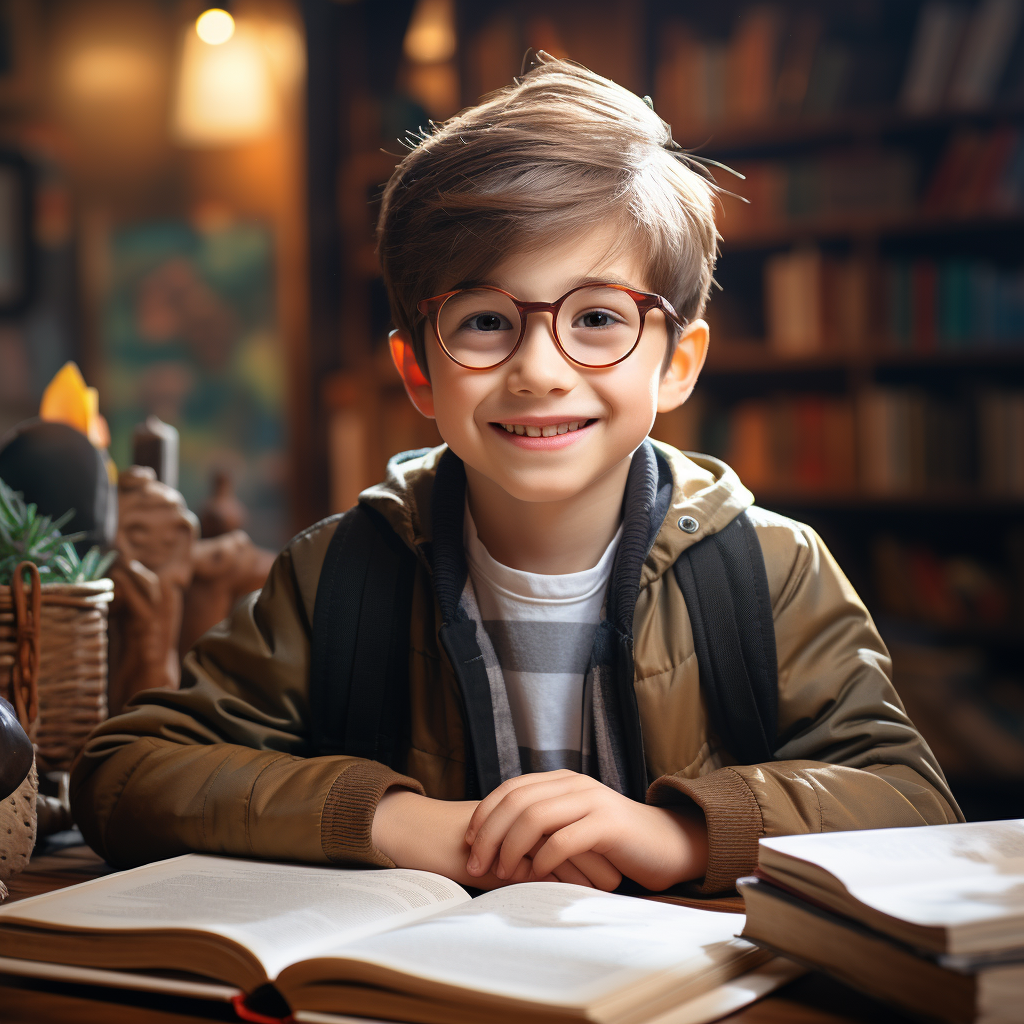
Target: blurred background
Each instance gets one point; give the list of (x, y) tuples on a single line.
[(187, 203)]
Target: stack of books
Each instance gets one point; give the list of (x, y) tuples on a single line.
[(930, 919)]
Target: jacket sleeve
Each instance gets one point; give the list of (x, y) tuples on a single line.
[(218, 765), (848, 757)]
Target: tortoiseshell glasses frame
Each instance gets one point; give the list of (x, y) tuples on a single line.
[(645, 301)]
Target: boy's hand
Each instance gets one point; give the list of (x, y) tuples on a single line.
[(418, 832), (654, 846)]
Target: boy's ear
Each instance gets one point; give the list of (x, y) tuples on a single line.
[(687, 360), (417, 387)]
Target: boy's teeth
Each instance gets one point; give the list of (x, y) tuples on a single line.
[(549, 430)]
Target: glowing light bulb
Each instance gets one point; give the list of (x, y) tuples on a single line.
[(215, 26)]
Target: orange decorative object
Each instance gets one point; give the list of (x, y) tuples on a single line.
[(68, 400)]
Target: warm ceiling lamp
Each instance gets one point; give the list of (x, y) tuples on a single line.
[(215, 26), (430, 37), (225, 93)]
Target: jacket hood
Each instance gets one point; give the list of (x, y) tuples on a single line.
[(704, 489)]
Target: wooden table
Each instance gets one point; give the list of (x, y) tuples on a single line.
[(813, 999)]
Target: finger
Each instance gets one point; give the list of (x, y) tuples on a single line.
[(523, 871), (493, 830), (568, 872), (489, 802), (573, 840), (600, 871), (544, 818)]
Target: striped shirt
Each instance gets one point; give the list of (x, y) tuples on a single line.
[(542, 630)]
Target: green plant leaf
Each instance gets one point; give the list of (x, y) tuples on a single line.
[(25, 535)]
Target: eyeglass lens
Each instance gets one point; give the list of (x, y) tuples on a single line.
[(595, 326)]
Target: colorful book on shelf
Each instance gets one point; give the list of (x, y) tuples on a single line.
[(799, 444), (938, 37), (797, 62), (831, 71), (953, 305), (977, 173), (1008, 192), (793, 293), (983, 57), (953, 171), (1001, 442), (401, 944), (978, 192), (751, 64), (679, 80), (928, 918)]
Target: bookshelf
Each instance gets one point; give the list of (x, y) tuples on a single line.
[(887, 204)]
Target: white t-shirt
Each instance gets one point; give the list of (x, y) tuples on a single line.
[(542, 629)]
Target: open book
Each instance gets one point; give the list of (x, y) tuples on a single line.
[(401, 944)]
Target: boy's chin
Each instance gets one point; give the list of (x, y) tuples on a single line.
[(542, 486)]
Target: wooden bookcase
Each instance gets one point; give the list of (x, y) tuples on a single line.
[(939, 556)]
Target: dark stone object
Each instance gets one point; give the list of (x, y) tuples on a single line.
[(15, 751), (155, 444), (58, 468)]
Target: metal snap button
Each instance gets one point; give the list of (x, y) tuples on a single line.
[(688, 524)]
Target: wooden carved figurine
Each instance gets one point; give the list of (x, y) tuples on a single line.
[(225, 569), (155, 538), (222, 512)]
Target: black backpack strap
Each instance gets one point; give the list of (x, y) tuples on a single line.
[(359, 659), (725, 587)]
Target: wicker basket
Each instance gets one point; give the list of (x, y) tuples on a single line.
[(53, 661)]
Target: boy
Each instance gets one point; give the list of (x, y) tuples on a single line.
[(548, 255)]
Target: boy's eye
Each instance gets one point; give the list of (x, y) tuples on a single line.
[(487, 322), (596, 318)]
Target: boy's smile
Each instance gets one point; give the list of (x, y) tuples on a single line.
[(541, 437), (544, 435)]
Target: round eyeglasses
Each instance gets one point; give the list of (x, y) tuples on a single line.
[(595, 325)]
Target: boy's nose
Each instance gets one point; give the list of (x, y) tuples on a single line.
[(539, 366)]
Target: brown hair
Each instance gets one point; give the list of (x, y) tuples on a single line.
[(533, 161)]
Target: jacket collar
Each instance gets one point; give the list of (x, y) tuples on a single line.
[(704, 489), (663, 486)]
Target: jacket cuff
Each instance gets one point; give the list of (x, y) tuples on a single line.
[(347, 820), (733, 821)]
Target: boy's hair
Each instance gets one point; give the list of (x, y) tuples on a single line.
[(551, 155)]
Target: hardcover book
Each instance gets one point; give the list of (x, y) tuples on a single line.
[(396, 944)]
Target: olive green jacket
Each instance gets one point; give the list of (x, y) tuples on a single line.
[(220, 765)]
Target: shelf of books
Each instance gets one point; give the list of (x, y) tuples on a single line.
[(867, 363), (866, 373)]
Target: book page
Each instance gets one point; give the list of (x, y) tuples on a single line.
[(173, 983), (933, 875), (729, 997), (281, 912), (554, 943)]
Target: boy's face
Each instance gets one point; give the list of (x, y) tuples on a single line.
[(538, 387)]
